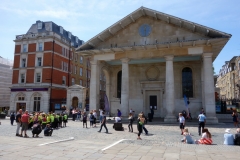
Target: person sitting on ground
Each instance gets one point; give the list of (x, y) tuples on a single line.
[(48, 130), (187, 137), (117, 119), (237, 137), (36, 129), (228, 138), (206, 137)]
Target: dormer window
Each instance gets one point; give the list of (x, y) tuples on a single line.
[(69, 35), (61, 30), (76, 39), (40, 25)]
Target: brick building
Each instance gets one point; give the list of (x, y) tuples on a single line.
[(42, 68)]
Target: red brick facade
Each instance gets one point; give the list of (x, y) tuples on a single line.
[(17, 48), (31, 60)]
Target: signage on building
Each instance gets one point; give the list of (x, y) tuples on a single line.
[(28, 89)]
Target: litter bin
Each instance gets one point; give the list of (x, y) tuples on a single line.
[(149, 117)]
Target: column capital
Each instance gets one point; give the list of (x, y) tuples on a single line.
[(94, 62), (125, 60), (169, 57), (207, 55)]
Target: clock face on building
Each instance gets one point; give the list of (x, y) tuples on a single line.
[(144, 30)]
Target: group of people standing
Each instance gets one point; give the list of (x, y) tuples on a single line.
[(38, 121)]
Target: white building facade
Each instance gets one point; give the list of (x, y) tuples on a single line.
[(153, 59)]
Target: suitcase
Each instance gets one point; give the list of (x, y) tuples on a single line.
[(118, 126)]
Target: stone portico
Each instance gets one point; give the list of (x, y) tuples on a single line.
[(152, 59)]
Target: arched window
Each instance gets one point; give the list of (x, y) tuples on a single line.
[(119, 84), (187, 82)]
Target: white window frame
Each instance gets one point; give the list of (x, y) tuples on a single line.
[(75, 69), (24, 50), (69, 35), (24, 77), (81, 59), (25, 63), (76, 39), (39, 65), (61, 30), (40, 44), (80, 82), (39, 25), (80, 71), (64, 80), (38, 101), (36, 77), (73, 81)]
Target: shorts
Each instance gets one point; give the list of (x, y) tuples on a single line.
[(24, 126), (181, 126)]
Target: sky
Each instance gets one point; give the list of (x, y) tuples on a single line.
[(87, 18)]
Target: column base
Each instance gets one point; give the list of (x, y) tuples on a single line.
[(170, 118)]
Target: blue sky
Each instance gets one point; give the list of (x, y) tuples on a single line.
[(86, 18)]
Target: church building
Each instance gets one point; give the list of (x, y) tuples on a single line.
[(152, 59)]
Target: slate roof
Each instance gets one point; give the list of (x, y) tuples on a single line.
[(53, 27)]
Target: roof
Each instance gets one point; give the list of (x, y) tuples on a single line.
[(143, 11), (52, 27)]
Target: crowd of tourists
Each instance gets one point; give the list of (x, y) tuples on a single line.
[(37, 122)]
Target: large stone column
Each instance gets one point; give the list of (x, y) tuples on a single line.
[(209, 92), (170, 99), (94, 85), (125, 87)]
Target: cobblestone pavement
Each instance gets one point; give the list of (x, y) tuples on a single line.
[(163, 142)]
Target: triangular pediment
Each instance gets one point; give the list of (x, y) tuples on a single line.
[(149, 31), (164, 29)]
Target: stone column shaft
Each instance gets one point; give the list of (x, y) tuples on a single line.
[(94, 86), (209, 92), (170, 99), (125, 87)]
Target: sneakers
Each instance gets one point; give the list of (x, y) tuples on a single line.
[(20, 135), (17, 135)]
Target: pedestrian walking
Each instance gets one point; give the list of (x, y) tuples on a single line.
[(202, 122), (84, 119), (91, 119), (95, 117), (119, 113), (140, 123), (12, 118), (182, 122), (145, 122), (103, 123), (130, 118), (18, 121), (235, 118)]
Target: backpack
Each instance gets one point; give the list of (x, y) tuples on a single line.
[(84, 117), (92, 117)]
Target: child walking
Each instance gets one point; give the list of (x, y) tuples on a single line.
[(182, 122)]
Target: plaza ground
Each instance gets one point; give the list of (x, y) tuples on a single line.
[(163, 142)]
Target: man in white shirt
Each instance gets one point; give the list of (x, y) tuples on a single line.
[(117, 119)]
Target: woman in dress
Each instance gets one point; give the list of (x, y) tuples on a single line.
[(206, 137)]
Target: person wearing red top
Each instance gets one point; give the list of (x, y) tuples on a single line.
[(25, 120)]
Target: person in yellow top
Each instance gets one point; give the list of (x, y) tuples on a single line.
[(48, 119), (30, 122)]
